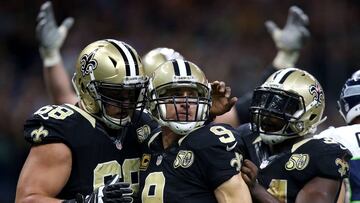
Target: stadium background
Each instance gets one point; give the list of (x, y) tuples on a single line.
[(227, 39)]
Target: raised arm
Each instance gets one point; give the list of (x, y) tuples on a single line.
[(51, 37), (288, 41)]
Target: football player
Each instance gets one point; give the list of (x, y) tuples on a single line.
[(293, 166), (349, 136), (188, 161), (77, 148), (110, 82), (288, 41), (51, 37)]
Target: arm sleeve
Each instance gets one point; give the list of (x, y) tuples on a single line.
[(333, 162), (220, 161), (39, 130), (218, 168)]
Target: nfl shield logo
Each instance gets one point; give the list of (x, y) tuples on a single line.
[(118, 145), (159, 160)]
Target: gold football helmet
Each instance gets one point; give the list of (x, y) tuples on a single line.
[(157, 56), (290, 103), (109, 74), (167, 83)]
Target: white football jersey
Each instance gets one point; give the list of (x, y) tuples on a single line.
[(349, 136)]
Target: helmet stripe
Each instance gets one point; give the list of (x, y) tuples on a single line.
[(128, 59), (182, 67), (188, 70), (176, 68), (135, 60), (285, 76), (281, 76)]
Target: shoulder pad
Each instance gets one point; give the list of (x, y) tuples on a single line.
[(211, 135), (244, 129), (50, 123)]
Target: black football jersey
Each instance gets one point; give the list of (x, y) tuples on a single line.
[(95, 157), (191, 169), (285, 174)]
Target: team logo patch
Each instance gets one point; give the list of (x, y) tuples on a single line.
[(237, 161), (297, 161), (88, 63), (145, 161), (343, 166), (38, 134), (184, 159), (143, 132), (317, 93)]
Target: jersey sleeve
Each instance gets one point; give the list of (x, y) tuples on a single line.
[(221, 158), (48, 125), (332, 160), (145, 127)]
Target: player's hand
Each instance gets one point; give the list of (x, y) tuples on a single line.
[(291, 38), (221, 100), (114, 192), (51, 36), (249, 172), (293, 35)]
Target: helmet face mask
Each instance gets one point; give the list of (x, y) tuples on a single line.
[(119, 102), (289, 104), (349, 101), (273, 111), (110, 82), (181, 103), (170, 96)]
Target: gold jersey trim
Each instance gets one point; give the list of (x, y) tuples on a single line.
[(86, 115)]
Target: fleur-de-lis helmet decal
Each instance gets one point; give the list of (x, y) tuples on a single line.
[(88, 63), (317, 92)]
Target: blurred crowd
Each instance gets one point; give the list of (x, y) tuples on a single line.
[(227, 39)]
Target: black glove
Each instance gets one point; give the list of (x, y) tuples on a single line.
[(113, 191)]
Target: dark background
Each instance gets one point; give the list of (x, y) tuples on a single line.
[(227, 39)]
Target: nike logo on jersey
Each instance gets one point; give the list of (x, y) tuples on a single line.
[(232, 147)]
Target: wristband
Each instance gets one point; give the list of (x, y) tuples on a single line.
[(285, 59), (50, 57)]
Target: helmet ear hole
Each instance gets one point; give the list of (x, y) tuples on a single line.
[(312, 117), (83, 87)]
